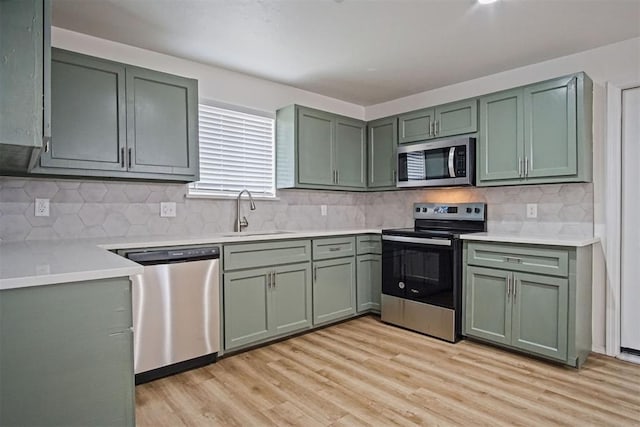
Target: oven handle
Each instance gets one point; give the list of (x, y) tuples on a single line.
[(419, 240), (452, 170)]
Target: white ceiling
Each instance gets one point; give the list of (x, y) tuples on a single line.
[(365, 52)]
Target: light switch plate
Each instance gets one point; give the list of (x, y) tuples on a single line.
[(42, 207), (168, 209), (323, 210), (532, 210)]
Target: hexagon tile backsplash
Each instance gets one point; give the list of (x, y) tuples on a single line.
[(113, 209)]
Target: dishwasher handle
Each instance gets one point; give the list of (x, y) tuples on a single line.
[(173, 255)]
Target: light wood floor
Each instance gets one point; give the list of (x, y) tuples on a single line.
[(364, 372)]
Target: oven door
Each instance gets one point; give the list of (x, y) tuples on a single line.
[(420, 269)]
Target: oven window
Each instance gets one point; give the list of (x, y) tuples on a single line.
[(419, 272)]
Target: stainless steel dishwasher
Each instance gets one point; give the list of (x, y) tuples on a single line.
[(176, 309)]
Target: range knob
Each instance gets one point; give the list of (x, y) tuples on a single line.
[(477, 210), (401, 285), (469, 210)]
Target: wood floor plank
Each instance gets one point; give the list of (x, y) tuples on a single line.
[(366, 373)]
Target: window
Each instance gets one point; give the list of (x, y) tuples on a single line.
[(236, 152)]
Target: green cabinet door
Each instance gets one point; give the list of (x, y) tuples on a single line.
[(67, 355), (416, 126), (500, 144), (88, 116), (550, 128), (162, 123), (291, 298), (350, 153), (315, 147), (456, 118), (369, 282), (487, 305), (246, 307), (381, 153), (334, 289), (24, 78), (540, 315)]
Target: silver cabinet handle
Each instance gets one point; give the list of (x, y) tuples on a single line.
[(315, 273), (513, 282), (526, 166), (507, 279), (273, 279), (337, 176), (513, 259), (431, 126), (269, 280), (436, 127), (122, 156), (519, 166), (129, 158), (334, 249)]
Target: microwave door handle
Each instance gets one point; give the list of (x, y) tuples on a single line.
[(452, 170)]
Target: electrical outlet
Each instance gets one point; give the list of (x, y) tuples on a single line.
[(42, 207), (532, 210), (323, 210), (168, 209)]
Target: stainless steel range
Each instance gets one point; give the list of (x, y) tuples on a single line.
[(422, 268)]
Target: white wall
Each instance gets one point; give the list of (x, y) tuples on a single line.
[(618, 62), (214, 83)]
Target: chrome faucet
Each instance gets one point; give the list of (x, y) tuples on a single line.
[(243, 222)]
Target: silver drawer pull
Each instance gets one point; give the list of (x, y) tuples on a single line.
[(414, 291), (333, 249), (513, 259)]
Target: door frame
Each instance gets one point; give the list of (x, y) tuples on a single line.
[(612, 239)]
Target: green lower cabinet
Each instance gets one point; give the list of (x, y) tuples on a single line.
[(369, 283), (488, 312), (266, 302), (540, 314), (334, 289), (526, 311), (67, 354)]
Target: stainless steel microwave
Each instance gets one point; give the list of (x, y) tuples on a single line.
[(443, 163)]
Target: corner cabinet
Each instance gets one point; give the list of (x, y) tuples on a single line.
[(456, 118), (535, 299), (316, 149), (381, 153), (537, 134), (118, 121), (369, 272), (25, 48), (67, 354)]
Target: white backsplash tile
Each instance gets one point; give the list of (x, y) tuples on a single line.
[(104, 208)]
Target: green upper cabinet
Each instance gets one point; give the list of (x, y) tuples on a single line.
[(456, 118), (25, 48), (537, 134), (117, 121), (350, 153), (162, 123), (501, 138), (316, 149), (381, 153), (89, 122)]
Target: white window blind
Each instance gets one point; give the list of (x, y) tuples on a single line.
[(236, 152)]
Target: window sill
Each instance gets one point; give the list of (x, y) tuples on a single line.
[(221, 197)]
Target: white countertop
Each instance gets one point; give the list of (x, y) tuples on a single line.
[(43, 262), (537, 239)]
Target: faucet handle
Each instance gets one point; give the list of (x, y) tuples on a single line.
[(244, 222)]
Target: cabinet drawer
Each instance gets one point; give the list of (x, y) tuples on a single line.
[(251, 255), (369, 244), (334, 247), (530, 259)]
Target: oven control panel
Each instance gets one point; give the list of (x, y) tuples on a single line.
[(459, 211)]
